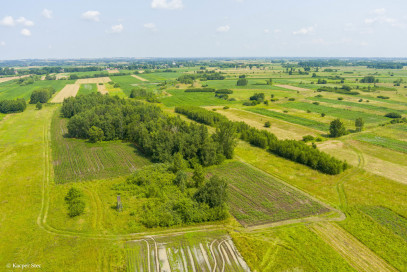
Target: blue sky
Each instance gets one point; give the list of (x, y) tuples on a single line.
[(202, 28)]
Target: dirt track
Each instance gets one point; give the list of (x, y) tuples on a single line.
[(67, 91), (5, 79)]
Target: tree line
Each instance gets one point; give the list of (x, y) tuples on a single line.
[(12, 106), (296, 151), (157, 134)]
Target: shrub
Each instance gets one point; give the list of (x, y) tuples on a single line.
[(95, 134), (10, 106), (74, 200), (242, 82), (340, 98), (291, 99), (308, 138), (267, 124), (393, 115), (38, 106), (337, 128), (323, 114), (226, 107), (315, 103)]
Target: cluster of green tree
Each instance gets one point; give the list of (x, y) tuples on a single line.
[(377, 64), (369, 79), (293, 150), (7, 71), (50, 77), (41, 95), (24, 81), (102, 74), (257, 98), (200, 90), (57, 69), (322, 81), (337, 128), (383, 97), (386, 65), (159, 135), (11, 106), (223, 91), (140, 93), (323, 63), (170, 197), (75, 202), (202, 76), (343, 90), (242, 81)]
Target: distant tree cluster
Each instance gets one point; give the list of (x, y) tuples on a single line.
[(41, 95), (7, 71), (369, 79), (242, 81), (293, 150), (343, 90), (141, 93), (200, 90), (171, 197), (157, 134), (393, 115), (200, 75), (11, 106)]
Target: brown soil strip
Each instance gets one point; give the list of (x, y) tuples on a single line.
[(356, 253), (93, 80), (68, 91), (5, 79), (293, 88), (139, 77), (113, 71)]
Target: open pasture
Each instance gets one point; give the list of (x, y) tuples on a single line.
[(77, 160), (393, 144), (257, 198), (180, 97)]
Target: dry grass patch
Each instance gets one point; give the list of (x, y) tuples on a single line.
[(5, 79), (139, 77), (93, 80), (68, 91), (102, 89)]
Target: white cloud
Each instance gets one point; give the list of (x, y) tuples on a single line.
[(47, 13), (91, 15), (7, 21), (304, 31), (224, 28), (25, 32), (116, 28), (150, 26), (267, 30), (167, 4), (24, 21), (277, 30), (2, 43)]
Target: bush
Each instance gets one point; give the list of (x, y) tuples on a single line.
[(226, 107), (337, 128), (95, 134), (340, 98), (11, 106), (323, 114), (291, 99), (267, 124), (74, 200), (308, 138), (393, 115), (242, 82), (38, 106), (41, 95), (315, 103), (383, 97)]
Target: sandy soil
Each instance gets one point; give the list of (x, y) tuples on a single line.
[(93, 80), (59, 76), (113, 71), (102, 89), (5, 79), (139, 78), (67, 91), (293, 88)]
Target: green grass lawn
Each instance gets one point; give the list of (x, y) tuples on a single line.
[(180, 97)]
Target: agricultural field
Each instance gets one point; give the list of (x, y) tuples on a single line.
[(257, 198), (76, 160), (279, 214)]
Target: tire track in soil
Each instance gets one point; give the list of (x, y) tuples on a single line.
[(357, 254)]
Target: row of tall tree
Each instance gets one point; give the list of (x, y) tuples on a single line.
[(11, 106), (293, 150)]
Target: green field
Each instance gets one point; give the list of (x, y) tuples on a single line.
[(336, 112), (256, 198), (12, 90), (291, 118), (393, 144), (179, 97), (77, 160), (87, 89)]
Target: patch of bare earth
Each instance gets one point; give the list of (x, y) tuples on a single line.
[(93, 80), (5, 79), (139, 77), (356, 253), (102, 89), (293, 88), (113, 71), (68, 91)]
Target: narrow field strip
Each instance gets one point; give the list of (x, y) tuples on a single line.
[(139, 78), (357, 254), (68, 91)]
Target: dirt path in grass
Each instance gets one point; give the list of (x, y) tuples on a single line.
[(356, 253), (139, 77), (68, 91)]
